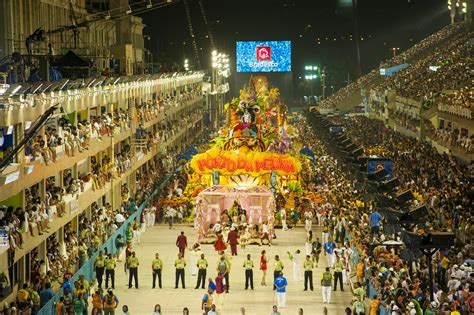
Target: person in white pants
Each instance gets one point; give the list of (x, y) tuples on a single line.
[(280, 289), (152, 215), (325, 234), (308, 220), (329, 252), (326, 284), (319, 216), (296, 265), (283, 219)]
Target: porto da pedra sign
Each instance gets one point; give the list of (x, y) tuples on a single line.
[(236, 163)]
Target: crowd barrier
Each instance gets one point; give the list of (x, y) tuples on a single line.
[(88, 269), (371, 290)]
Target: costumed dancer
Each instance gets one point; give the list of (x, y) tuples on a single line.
[(232, 239), (308, 220), (263, 267), (283, 219), (309, 242), (195, 253), (295, 258), (219, 245)]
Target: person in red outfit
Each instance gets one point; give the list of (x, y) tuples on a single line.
[(219, 245), (263, 267), (182, 243), (232, 240)]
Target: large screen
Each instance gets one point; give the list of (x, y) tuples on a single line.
[(376, 164), (273, 56)]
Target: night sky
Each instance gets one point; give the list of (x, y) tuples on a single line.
[(383, 24)]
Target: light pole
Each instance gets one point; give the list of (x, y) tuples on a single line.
[(312, 73), (220, 70), (186, 64), (394, 50)]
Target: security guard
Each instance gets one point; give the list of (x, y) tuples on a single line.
[(180, 263), (132, 264), (308, 266), (100, 267), (202, 271), (110, 264), (278, 267), (248, 265), (156, 267), (338, 267)]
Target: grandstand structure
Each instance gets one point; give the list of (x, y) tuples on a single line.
[(90, 154), (425, 92)]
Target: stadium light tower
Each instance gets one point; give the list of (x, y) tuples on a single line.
[(312, 73), (186, 64), (394, 50)]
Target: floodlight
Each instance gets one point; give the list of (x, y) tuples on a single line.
[(149, 5), (13, 89), (108, 16), (129, 11)]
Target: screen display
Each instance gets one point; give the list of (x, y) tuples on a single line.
[(336, 129), (376, 164), (273, 56)]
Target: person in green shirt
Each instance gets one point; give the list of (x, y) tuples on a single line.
[(179, 264), (156, 267), (82, 253), (308, 267), (248, 265), (275, 311), (35, 299), (202, 271), (120, 244), (278, 267), (359, 307), (132, 264), (432, 309), (100, 268), (359, 292), (110, 264), (79, 304)]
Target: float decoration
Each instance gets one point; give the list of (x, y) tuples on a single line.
[(253, 166)]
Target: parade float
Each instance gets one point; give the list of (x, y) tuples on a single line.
[(251, 169)]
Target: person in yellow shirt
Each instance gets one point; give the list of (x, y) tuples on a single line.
[(338, 267), (202, 271), (157, 267), (22, 296), (308, 267), (132, 264), (444, 264), (99, 265), (110, 264), (278, 267), (179, 264), (248, 265)]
